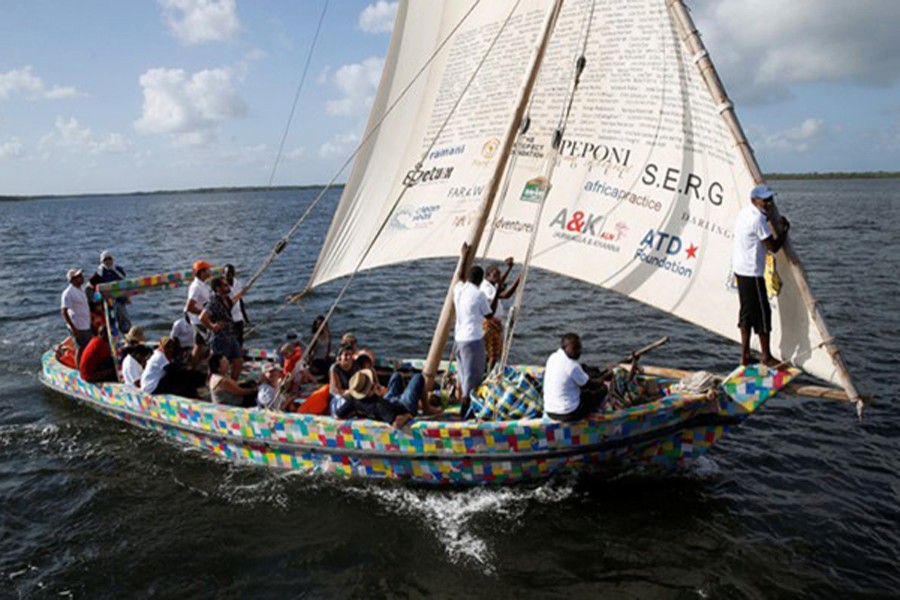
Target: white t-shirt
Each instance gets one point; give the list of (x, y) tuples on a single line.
[(749, 256), (199, 292), (154, 371), (236, 315), (74, 300), (471, 307), (183, 332), (490, 290), (131, 371), (563, 379), (265, 396)]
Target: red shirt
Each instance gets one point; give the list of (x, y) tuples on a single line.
[(96, 356)]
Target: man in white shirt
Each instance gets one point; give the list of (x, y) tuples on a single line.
[(471, 307), (494, 284), (155, 369), (198, 295), (76, 312), (752, 239), (564, 379)]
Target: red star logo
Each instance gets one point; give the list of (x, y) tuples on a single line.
[(692, 251)]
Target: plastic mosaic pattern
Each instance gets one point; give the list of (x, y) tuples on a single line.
[(660, 435), (137, 285)]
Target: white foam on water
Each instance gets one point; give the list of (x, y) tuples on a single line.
[(451, 514), (704, 467)]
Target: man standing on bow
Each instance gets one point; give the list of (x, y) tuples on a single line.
[(109, 271), (494, 284), (752, 239), (471, 307)]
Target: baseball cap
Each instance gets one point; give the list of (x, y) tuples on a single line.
[(73, 273), (763, 192), (199, 265), (105, 254)]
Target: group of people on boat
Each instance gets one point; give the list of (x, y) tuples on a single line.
[(348, 385)]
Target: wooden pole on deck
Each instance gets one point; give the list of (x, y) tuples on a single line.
[(442, 331), (695, 46)]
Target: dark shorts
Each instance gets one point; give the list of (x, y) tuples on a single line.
[(228, 346), (755, 311), (82, 338)]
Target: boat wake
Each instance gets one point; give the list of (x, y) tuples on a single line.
[(456, 517)]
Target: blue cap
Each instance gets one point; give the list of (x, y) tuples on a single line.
[(763, 192)]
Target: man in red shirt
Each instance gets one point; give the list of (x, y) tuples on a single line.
[(96, 361)]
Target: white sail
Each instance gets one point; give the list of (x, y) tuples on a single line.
[(646, 191)]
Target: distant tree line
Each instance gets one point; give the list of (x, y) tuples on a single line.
[(837, 175)]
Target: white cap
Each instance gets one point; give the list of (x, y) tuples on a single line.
[(105, 254), (73, 273), (763, 192)]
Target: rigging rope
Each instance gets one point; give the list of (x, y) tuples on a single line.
[(549, 167), (431, 146), (287, 126)]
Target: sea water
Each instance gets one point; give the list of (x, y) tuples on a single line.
[(799, 502)]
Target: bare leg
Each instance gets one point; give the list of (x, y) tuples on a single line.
[(746, 357), (765, 353), (401, 420), (196, 355)]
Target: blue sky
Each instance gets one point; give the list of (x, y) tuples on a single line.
[(111, 96)]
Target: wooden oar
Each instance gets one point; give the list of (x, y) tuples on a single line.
[(631, 358)]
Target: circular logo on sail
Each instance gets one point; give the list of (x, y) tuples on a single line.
[(490, 148)]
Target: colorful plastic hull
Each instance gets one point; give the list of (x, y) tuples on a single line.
[(661, 435)]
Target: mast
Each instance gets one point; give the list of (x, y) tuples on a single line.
[(691, 39), (442, 330)]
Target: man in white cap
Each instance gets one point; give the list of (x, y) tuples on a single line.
[(75, 312), (109, 271), (752, 239)]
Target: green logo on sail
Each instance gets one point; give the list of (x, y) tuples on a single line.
[(534, 190)]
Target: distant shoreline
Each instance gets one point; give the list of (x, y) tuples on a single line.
[(280, 188)]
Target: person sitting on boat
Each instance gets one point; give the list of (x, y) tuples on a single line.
[(216, 317), (408, 394), (162, 375), (225, 390), (183, 333), (238, 312), (494, 284), (267, 393), (294, 369), (109, 271), (76, 312), (564, 379), (752, 239), (339, 375), (471, 308), (349, 339), (97, 364), (318, 355), (365, 403), (133, 364), (198, 295)]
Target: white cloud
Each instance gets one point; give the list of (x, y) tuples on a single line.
[(71, 136), (763, 47), (357, 82), (794, 139), (378, 17), (25, 83), (189, 109), (339, 146), (201, 21), (11, 148)]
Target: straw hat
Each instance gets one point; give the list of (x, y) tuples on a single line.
[(135, 335), (361, 384)]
